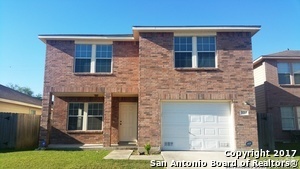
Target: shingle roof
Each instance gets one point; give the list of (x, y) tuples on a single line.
[(286, 53), (10, 94)]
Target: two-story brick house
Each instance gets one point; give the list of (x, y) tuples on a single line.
[(277, 82), (176, 87)]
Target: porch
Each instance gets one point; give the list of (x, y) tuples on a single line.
[(84, 120)]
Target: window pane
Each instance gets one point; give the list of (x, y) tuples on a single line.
[(206, 59), (183, 59), (104, 51), (298, 117), (94, 123), (206, 44), (297, 78), (288, 124), (296, 71), (95, 109), (287, 118), (76, 109), (283, 68), (83, 51), (183, 43), (284, 78), (296, 68), (82, 65), (103, 65), (75, 123)]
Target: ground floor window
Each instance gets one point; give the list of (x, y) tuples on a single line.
[(85, 116), (290, 118)]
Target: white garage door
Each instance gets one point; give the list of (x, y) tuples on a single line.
[(196, 126)]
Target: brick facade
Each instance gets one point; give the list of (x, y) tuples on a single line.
[(146, 68), (60, 78), (233, 80), (285, 96)]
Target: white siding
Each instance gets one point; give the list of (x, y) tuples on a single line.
[(259, 80), (260, 75)]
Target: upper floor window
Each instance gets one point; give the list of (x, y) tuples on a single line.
[(195, 52), (290, 118), (93, 58), (288, 73), (83, 57), (103, 58)]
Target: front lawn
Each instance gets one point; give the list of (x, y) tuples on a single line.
[(64, 159), (283, 153)]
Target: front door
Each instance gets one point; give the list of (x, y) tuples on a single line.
[(128, 121)]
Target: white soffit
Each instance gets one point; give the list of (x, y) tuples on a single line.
[(194, 29)]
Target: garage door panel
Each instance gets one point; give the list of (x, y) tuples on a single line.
[(211, 144), (196, 144), (195, 118), (209, 119), (210, 132), (198, 125), (179, 144), (223, 131), (176, 132), (223, 119)]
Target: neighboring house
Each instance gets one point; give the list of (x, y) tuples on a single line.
[(177, 88), (277, 87), (17, 102)]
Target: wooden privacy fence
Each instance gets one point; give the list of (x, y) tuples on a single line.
[(265, 131), (19, 131)]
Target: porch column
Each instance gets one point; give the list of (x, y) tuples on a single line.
[(107, 120), (45, 124)]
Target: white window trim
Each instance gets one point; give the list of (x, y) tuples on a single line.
[(291, 71), (85, 116), (93, 58), (195, 52), (296, 118)]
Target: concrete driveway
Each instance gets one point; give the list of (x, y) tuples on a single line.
[(203, 159)]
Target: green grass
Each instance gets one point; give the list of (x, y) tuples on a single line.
[(284, 146), (47, 159)]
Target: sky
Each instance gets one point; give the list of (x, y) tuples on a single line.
[(22, 54)]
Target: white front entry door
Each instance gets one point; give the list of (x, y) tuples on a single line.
[(128, 121)]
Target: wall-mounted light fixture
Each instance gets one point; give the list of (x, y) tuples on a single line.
[(246, 103)]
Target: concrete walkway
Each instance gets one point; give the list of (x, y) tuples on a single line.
[(126, 154), (119, 154), (146, 157), (75, 146)]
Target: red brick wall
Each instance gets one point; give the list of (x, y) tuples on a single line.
[(59, 133), (59, 75), (147, 68), (233, 80), (59, 69), (278, 96)]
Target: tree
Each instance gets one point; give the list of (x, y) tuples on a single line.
[(25, 90)]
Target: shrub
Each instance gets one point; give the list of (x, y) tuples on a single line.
[(147, 148)]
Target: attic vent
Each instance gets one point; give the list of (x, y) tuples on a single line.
[(168, 143)]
